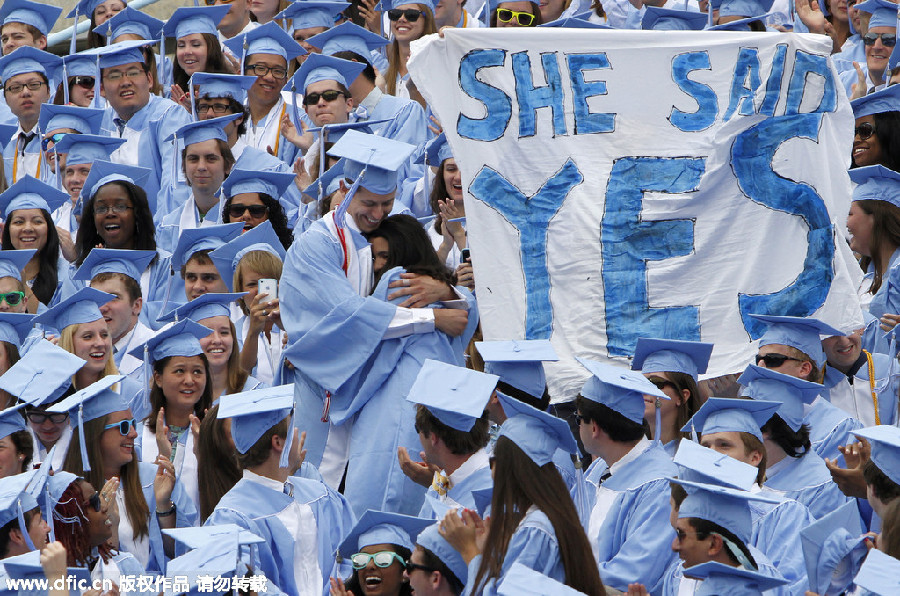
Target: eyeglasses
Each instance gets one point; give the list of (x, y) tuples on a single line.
[(118, 75), (410, 14), (94, 502), (17, 88), (117, 209), (773, 360), (524, 19), (662, 383), (218, 108), (864, 131), (262, 70), (382, 559), (410, 567), (124, 426), (45, 143), (39, 418), (237, 210), (12, 298), (888, 40), (86, 82), (311, 99)]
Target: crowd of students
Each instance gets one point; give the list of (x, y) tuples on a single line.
[(240, 333)]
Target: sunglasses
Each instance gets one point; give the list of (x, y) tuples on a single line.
[(888, 40), (312, 99), (524, 19), (12, 298), (212, 2), (662, 383), (773, 360), (42, 417), (82, 81), (94, 502), (237, 210), (124, 426), (382, 559), (45, 143), (864, 131), (410, 567), (410, 14)]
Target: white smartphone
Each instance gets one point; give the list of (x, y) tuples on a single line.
[(268, 286)]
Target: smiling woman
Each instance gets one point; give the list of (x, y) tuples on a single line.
[(409, 22)]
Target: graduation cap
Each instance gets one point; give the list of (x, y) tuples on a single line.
[(372, 159), (15, 500), (666, 19), (884, 13), (84, 120), (262, 238), (207, 238), (318, 67), (107, 260), (202, 307), (123, 52), (28, 59), (15, 327), (222, 85), (199, 537), (700, 464), (265, 39), (722, 415), (215, 559), (879, 574), (742, 8), (740, 24), (876, 183), (254, 412), (331, 180), (312, 13), (81, 307), (538, 434), (457, 396), (830, 540), (381, 527), (241, 181), (194, 20), (669, 355), (792, 393), (878, 102), (431, 540), (41, 16), (885, 442), (104, 172), (42, 375), (31, 193), (84, 8), (483, 498), (619, 389), (437, 150), (574, 23), (719, 579), (721, 505), (347, 37), (518, 363), (74, 65), (58, 483), (11, 420), (204, 130), (28, 566), (181, 339), (88, 148), (803, 333), (130, 21), (520, 580), (13, 261)]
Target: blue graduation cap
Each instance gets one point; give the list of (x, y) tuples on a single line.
[(669, 355), (520, 580), (199, 537), (803, 333), (727, 507), (130, 21), (86, 149), (193, 20), (740, 24), (879, 102), (15, 500), (58, 483), (431, 540), (347, 37), (84, 8), (42, 375), (437, 150), (15, 327), (28, 59), (202, 307), (31, 193), (518, 362), (197, 239), (723, 415), (181, 339), (227, 257), (386, 5), (792, 393), (28, 566), (742, 8), (666, 19), (381, 527), (876, 183), (11, 421), (254, 412), (483, 498), (81, 307), (700, 464), (74, 65), (884, 13), (204, 130), (84, 120), (222, 85), (879, 574), (331, 180), (326, 68), (312, 13), (13, 261), (372, 161), (885, 442), (828, 541), (265, 39), (104, 172), (619, 389), (123, 52), (538, 433), (457, 396), (218, 558), (106, 260), (270, 183), (41, 16), (574, 23), (719, 579)]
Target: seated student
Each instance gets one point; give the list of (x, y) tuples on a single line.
[(791, 465), (882, 21), (12, 263), (452, 425), (251, 196), (435, 568), (26, 23), (197, 47), (219, 95), (118, 272), (628, 526), (452, 14), (882, 471), (732, 427), (78, 88), (149, 498), (130, 24), (793, 346), (307, 20), (874, 135), (55, 123), (22, 527)]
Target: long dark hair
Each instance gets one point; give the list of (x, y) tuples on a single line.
[(158, 399), (215, 62), (886, 230), (48, 273), (410, 247), (438, 193), (95, 40), (217, 466), (520, 483), (887, 130), (144, 229), (276, 216)]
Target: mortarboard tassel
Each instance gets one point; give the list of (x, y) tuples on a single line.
[(85, 464), (23, 527), (285, 454)]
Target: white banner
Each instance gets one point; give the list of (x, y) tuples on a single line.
[(626, 184)]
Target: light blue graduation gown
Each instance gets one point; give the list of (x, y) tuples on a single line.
[(853, 50), (407, 121), (856, 399), (776, 532), (184, 217), (807, 480), (533, 545), (829, 428), (635, 538), (186, 515), (887, 298)]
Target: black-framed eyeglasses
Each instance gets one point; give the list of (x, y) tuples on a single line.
[(217, 108), (410, 14), (12, 298), (864, 131), (261, 70), (118, 209), (124, 426), (524, 19), (54, 138), (383, 559), (238, 209), (888, 40), (94, 502), (410, 567), (16, 88), (82, 81), (774, 360), (38, 417), (312, 99)]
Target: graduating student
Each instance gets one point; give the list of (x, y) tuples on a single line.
[(22, 527), (191, 260), (882, 471), (223, 95), (130, 24), (309, 19), (26, 23), (435, 568), (252, 194), (197, 46), (77, 85), (875, 134), (13, 291)]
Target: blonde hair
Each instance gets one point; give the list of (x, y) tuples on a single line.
[(67, 343), (390, 77), (266, 264)]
